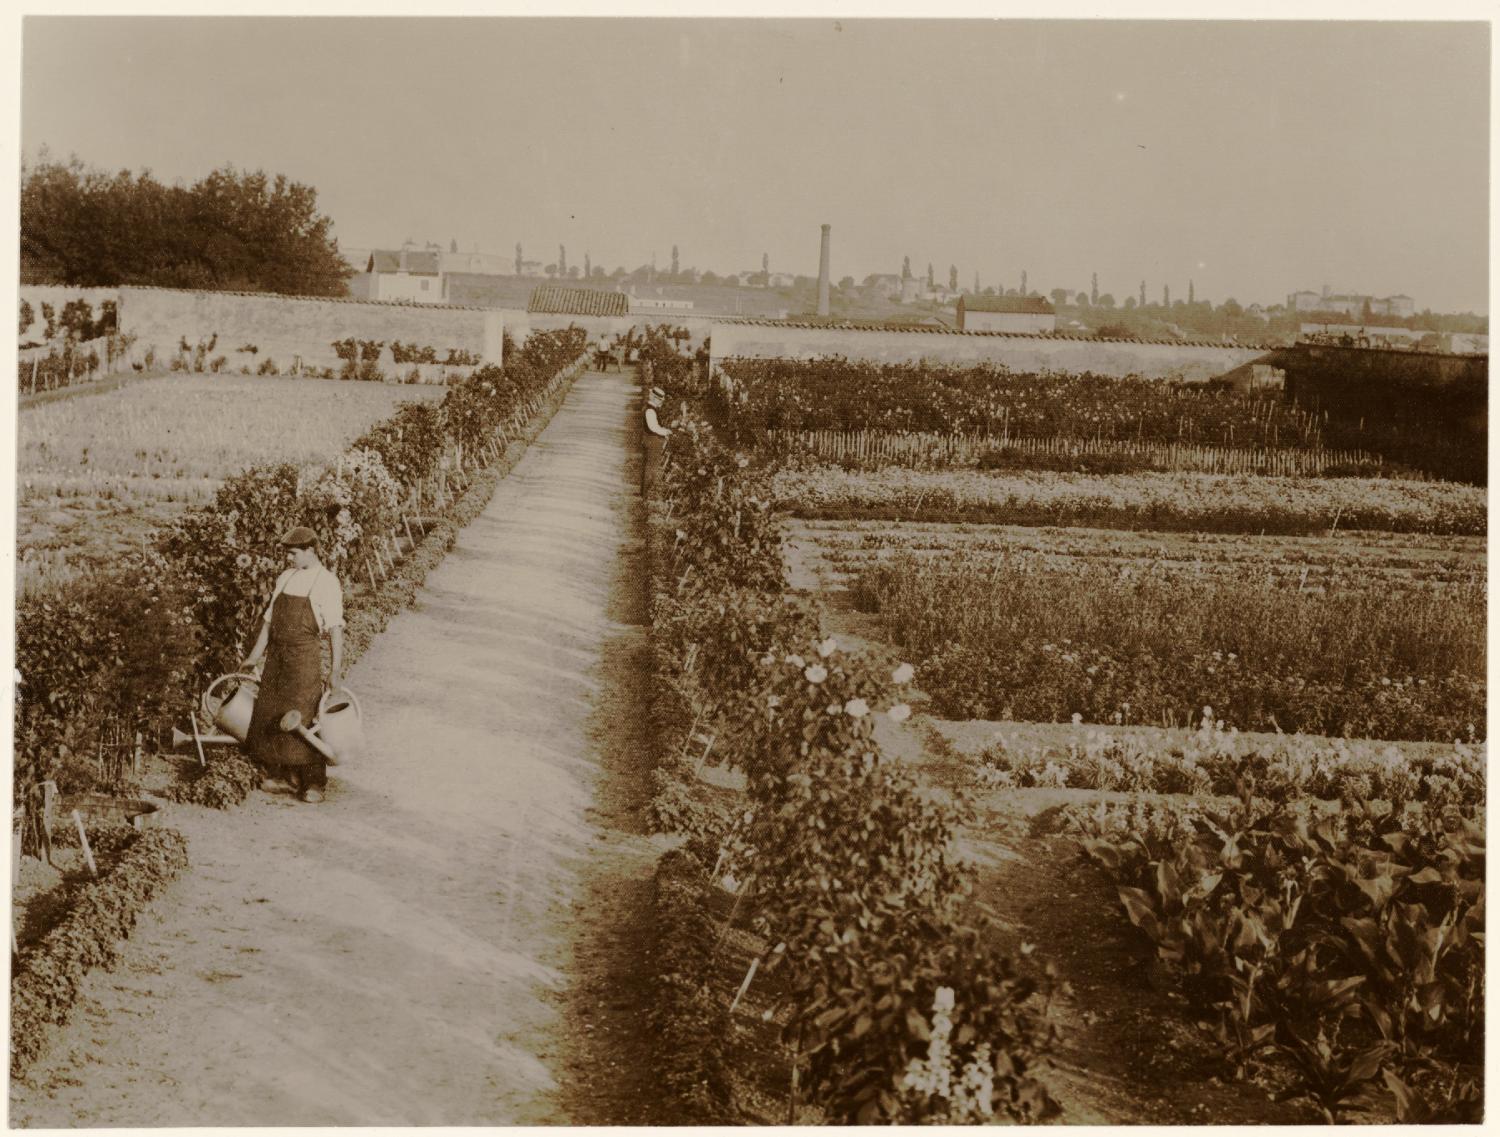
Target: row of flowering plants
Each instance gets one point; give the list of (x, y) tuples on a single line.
[(893, 1002), (1215, 759), (1197, 502), (756, 395), (135, 643), (1002, 637)]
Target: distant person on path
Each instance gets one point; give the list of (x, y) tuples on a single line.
[(656, 438), (308, 604), (602, 352)]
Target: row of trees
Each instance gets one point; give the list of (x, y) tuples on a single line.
[(232, 229)]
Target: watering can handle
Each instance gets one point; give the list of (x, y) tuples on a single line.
[(240, 675), (328, 697)]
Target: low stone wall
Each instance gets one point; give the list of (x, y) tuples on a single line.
[(287, 328), (1026, 353)]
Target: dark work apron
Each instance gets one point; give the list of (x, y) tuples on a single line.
[(292, 680)]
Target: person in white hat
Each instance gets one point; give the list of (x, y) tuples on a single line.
[(656, 438)]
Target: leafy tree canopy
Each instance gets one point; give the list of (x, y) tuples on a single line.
[(233, 229)]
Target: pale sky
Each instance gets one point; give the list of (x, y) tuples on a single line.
[(1254, 158)]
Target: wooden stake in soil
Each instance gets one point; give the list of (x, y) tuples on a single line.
[(198, 740), (83, 840), (745, 985)]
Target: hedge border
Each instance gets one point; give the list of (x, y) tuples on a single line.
[(47, 979), (368, 615), (690, 1027)]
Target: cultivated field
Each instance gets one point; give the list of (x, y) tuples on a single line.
[(1214, 747), (1221, 503), (835, 551), (97, 472)]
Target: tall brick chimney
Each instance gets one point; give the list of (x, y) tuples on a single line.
[(823, 273)]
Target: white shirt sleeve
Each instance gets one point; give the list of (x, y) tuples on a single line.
[(327, 599), (653, 426)]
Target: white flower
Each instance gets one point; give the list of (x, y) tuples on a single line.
[(828, 647), (856, 708), (816, 673), (796, 661), (903, 673), (943, 1000), (1077, 718), (767, 660), (899, 713), (773, 701)]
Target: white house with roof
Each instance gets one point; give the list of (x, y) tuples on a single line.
[(1005, 314), (410, 274)]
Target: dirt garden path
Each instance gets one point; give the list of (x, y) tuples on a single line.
[(450, 938)]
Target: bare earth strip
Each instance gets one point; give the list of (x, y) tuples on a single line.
[(451, 937)]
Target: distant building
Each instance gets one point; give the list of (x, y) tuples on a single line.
[(1351, 304), (1005, 314), (402, 274), (781, 280), (1464, 343), (887, 284), (657, 304), (478, 264)]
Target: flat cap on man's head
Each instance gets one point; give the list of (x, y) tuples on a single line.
[(300, 537), (657, 393)]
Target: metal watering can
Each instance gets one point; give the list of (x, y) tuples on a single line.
[(232, 715), (341, 725), (337, 733)]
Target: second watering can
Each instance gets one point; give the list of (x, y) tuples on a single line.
[(341, 724), (232, 715)]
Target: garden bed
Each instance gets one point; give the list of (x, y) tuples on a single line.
[(99, 914)]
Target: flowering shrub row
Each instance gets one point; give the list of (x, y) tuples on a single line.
[(1005, 638), (137, 642), (756, 395), (1222, 503), (1347, 946), (894, 1008)]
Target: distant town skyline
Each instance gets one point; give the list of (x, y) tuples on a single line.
[(941, 274), (1254, 158)]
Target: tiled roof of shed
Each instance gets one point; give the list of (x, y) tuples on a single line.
[(559, 300), (1011, 305), (389, 260)]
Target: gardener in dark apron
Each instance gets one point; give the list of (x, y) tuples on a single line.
[(307, 603)]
